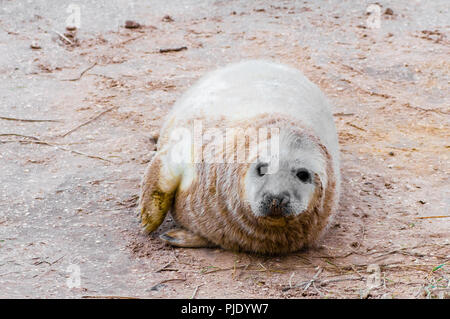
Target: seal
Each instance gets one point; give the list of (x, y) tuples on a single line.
[(248, 160)]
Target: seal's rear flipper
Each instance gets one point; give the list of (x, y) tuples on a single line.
[(184, 238)]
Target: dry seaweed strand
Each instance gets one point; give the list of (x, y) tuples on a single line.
[(313, 279), (88, 121), (164, 268), (26, 120), (81, 74), (35, 140), (394, 251), (195, 291), (169, 280), (426, 217), (62, 36), (323, 282), (173, 49), (109, 297), (129, 40)]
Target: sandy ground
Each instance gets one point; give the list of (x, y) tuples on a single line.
[(69, 182)]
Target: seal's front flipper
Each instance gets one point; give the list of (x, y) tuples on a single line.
[(184, 238), (157, 193)]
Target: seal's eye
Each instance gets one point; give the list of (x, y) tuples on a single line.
[(262, 169), (304, 175)]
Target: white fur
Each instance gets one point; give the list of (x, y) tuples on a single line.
[(251, 88)]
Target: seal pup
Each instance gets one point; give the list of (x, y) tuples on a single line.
[(213, 170)]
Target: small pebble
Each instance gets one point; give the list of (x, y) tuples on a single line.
[(364, 293), (70, 34), (35, 45), (389, 12), (167, 18), (71, 28), (129, 24)]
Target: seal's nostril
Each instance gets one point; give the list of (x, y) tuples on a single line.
[(285, 200), (281, 200)]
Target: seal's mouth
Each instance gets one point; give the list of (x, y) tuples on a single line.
[(276, 207), (277, 210)]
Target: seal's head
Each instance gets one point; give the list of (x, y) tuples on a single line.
[(284, 184)]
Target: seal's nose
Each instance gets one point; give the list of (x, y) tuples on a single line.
[(276, 205)]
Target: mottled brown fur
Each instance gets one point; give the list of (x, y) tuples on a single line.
[(213, 206)]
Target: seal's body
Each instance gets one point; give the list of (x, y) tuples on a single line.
[(210, 172)]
